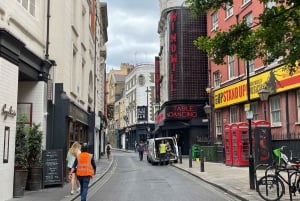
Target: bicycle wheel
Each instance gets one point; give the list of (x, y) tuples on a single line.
[(270, 188), (298, 183)]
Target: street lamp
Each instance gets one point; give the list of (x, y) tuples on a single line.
[(249, 117), (207, 110), (147, 116), (264, 95)]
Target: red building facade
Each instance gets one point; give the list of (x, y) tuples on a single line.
[(228, 82)]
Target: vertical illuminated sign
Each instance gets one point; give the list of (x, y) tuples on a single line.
[(157, 80), (173, 52)]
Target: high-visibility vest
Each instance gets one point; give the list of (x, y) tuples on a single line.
[(162, 148), (84, 165)]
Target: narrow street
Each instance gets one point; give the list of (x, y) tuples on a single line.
[(134, 180)]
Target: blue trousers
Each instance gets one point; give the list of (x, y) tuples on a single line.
[(84, 186)]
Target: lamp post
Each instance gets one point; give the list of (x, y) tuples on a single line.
[(147, 115), (207, 110), (264, 95), (249, 116)]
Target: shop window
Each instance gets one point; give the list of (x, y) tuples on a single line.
[(24, 113)]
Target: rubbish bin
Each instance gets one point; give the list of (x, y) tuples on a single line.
[(220, 153), (196, 151)]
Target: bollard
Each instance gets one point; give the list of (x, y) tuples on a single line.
[(180, 155), (190, 158), (202, 161)]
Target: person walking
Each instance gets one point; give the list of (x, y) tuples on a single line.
[(71, 156), (86, 168), (162, 152), (169, 151), (108, 149), (141, 148)]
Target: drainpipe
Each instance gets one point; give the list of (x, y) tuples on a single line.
[(47, 32)]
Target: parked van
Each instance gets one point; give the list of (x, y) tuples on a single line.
[(153, 150)]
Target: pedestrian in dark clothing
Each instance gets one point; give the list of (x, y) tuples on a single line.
[(85, 169), (141, 148)]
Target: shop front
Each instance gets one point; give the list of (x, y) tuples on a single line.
[(186, 122)]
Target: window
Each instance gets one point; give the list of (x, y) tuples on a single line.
[(141, 80), (217, 79), (251, 66), (298, 104), (249, 19), (270, 4), (218, 123), (231, 66), (254, 109), (275, 110), (229, 10), (29, 5), (214, 18), (246, 1), (233, 114)]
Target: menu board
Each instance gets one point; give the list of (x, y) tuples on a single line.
[(52, 167)]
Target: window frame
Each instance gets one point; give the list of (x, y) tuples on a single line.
[(230, 60), (218, 117), (214, 20), (233, 114), (275, 111), (217, 79), (298, 105), (228, 10)]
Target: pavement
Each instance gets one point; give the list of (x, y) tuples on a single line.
[(234, 180)]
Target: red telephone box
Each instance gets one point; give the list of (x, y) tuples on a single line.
[(228, 144), (262, 141), (240, 144)]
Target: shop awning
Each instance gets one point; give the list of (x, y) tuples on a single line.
[(175, 125)]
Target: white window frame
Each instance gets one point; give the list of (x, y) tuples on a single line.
[(251, 67), (249, 19), (254, 109), (275, 112), (270, 4), (29, 5), (233, 114), (218, 123), (230, 67), (229, 10), (217, 79), (215, 21), (245, 2), (298, 105)]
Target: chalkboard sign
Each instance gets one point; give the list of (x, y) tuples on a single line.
[(52, 167)]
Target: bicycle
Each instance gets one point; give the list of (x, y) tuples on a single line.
[(271, 187)]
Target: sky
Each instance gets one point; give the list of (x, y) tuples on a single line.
[(132, 32)]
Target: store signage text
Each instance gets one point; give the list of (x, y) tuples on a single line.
[(276, 80), (173, 51), (8, 111), (182, 112)]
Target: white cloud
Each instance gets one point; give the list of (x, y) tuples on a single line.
[(132, 32)]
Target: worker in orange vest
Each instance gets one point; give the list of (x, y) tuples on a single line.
[(85, 169)]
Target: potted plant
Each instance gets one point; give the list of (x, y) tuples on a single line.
[(34, 157), (21, 164)]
